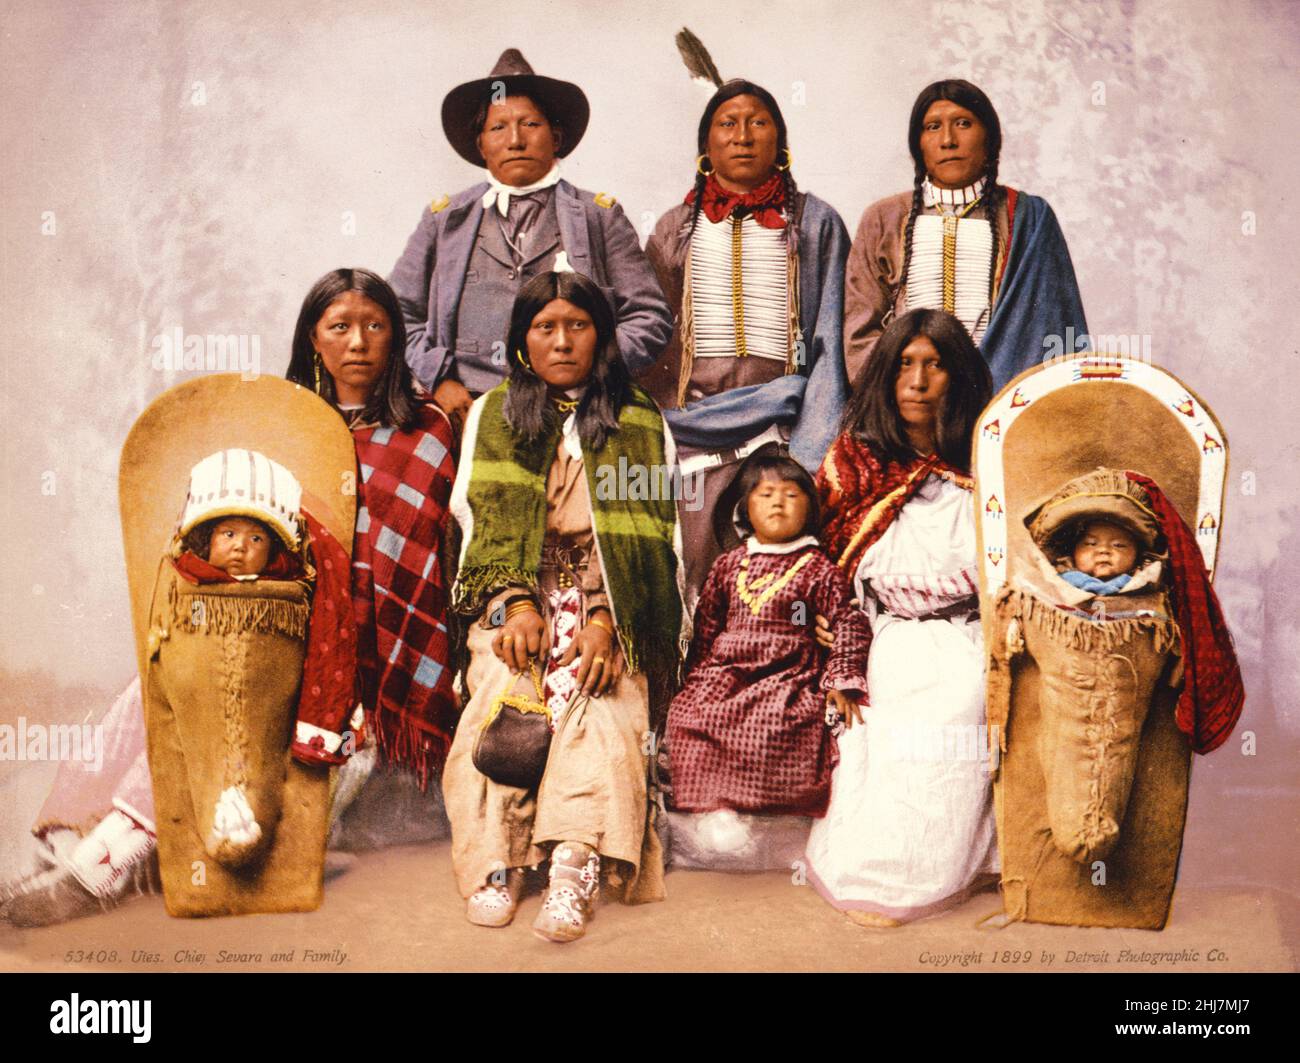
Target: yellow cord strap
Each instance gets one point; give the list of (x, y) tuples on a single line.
[(950, 255), (518, 701)]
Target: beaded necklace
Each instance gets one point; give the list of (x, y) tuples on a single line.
[(750, 593)]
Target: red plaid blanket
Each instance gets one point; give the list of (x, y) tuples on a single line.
[(1213, 695), (399, 592)]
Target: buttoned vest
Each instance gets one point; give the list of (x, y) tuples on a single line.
[(491, 283)]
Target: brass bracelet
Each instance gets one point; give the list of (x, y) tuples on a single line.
[(600, 624), (521, 607)]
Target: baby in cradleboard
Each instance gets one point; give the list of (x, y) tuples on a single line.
[(751, 735), (238, 548), (1137, 618), (1100, 536), (243, 521), (243, 524)]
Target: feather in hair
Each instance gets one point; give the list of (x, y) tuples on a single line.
[(697, 59)]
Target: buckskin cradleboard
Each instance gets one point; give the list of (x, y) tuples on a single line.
[(1090, 787), (221, 663)]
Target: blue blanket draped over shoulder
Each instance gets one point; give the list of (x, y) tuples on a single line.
[(811, 400), (1038, 312)]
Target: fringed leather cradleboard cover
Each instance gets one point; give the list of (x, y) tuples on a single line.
[(220, 697), (1091, 788), (221, 664)]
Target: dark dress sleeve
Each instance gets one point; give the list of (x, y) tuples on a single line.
[(846, 669)]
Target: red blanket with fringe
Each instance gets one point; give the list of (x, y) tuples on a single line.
[(399, 591), (861, 495), (1213, 694)]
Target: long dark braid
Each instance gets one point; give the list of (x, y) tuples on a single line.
[(995, 195), (917, 203), (787, 178), (700, 181)]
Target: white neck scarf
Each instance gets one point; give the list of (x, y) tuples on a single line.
[(572, 441), (753, 546), (501, 193)]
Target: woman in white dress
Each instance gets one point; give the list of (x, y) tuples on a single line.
[(910, 827)]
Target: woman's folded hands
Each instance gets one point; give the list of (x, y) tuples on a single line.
[(600, 660)]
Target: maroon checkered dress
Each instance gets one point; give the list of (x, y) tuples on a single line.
[(748, 730)]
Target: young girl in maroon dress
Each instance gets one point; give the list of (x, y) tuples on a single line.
[(751, 730)]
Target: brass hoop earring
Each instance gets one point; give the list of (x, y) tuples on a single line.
[(789, 160), (699, 166), (519, 355)]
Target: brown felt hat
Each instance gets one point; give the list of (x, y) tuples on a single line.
[(564, 103), (1103, 494)]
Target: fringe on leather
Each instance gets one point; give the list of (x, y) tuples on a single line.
[(1014, 608), (795, 356), (687, 335), (1081, 633), (212, 614)]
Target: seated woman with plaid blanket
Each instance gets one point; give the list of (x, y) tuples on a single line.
[(348, 327), (570, 571)]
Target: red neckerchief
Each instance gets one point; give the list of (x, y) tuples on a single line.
[(860, 496), (765, 202), (1213, 694)]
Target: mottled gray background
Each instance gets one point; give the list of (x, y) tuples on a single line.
[(202, 162)]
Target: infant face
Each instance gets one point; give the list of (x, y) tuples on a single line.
[(1105, 550), (240, 547)]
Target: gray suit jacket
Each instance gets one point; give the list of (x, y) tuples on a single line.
[(599, 241)]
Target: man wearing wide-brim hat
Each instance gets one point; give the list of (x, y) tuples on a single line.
[(472, 252)]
